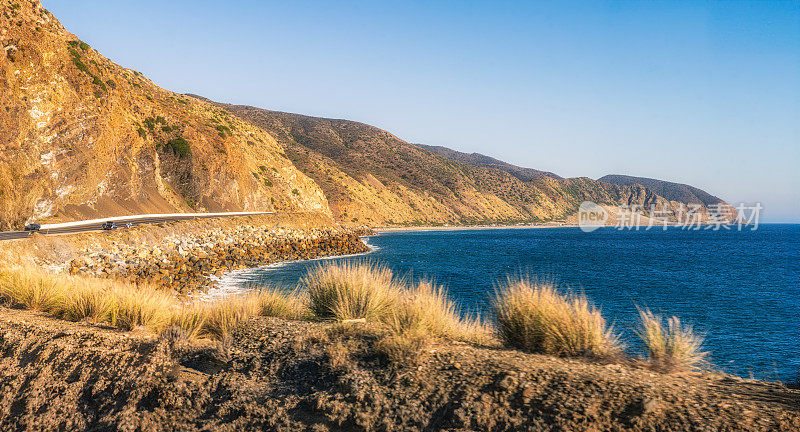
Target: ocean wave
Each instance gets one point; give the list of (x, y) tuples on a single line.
[(372, 247), (237, 281)]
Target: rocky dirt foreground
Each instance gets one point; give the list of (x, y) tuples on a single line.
[(291, 376)]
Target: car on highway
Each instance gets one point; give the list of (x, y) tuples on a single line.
[(33, 227), (108, 226)]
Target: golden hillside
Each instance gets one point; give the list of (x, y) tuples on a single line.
[(81, 136), (371, 176)]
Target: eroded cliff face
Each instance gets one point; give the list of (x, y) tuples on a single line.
[(81, 136)]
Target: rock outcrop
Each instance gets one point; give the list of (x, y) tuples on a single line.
[(81, 137)]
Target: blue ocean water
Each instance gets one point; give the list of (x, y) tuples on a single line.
[(739, 288)]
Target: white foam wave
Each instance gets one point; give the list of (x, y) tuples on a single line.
[(237, 281)]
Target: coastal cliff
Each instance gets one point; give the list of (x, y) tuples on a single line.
[(83, 137)]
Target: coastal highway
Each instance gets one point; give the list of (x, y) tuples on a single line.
[(121, 221)]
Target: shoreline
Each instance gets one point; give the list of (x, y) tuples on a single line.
[(227, 284), (379, 230), (636, 227)]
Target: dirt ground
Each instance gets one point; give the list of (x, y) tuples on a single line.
[(292, 376)]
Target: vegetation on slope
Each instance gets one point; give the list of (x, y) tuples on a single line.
[(669, 190), (370, 176), (534, 317), (81, 136), (676, 347), (481, 160)]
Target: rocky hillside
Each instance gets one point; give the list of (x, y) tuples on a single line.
[(671, 191), (371, 176), (81, 136), (481, 160)]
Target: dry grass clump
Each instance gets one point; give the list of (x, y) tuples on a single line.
[(674, 348), (535, 317), (191, 318), (410, 317), (142, 307), (403, 349), (274, 302), (27, 288), (222, 316), (427, 309), (347, 291), (88, 302)]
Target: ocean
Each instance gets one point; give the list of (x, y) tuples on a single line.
[(741, 289)]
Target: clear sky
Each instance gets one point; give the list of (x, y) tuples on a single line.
[(698, 92)]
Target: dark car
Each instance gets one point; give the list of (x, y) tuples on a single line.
[(108, 226), (33, 227)]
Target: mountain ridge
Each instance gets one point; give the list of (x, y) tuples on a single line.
[(355, 163), (669, 190), (482, 160)]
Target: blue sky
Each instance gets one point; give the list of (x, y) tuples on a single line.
[(705, 93)]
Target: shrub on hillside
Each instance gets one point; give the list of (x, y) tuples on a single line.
[(179, 146)]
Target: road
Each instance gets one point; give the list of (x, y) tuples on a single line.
[(121, 221)]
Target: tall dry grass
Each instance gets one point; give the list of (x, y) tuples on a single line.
[(26, 288), (363, 290), (675, 347), (274, 302), (408, 316), (128, 307), (142, 307), (224, 315), (535, 317), (427, 308), (77, 299), (529, 316), (87, 302), (347, 291), (191, 318)]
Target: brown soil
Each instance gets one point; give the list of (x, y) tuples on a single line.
[(279, 375)]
